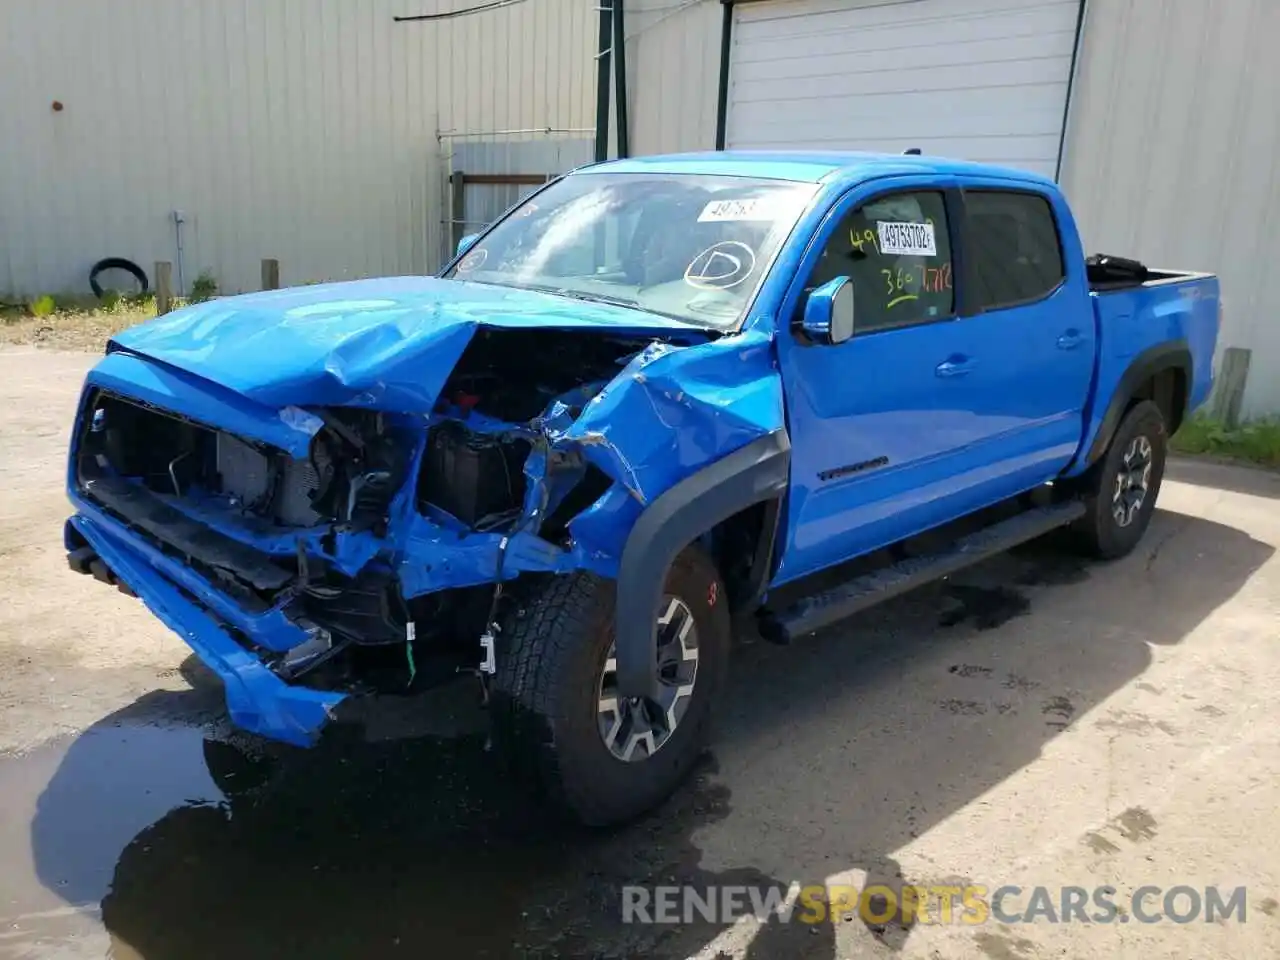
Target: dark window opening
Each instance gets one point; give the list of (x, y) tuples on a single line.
[(1014, 249)]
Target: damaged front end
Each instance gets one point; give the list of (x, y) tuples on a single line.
[(311, 551)]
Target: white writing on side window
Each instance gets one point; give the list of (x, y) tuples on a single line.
[(906, 239)]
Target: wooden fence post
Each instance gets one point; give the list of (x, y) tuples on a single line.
[(270, 274), (164, 287), (1229, 394)]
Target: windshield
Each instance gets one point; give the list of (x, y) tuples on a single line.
[(691, 247)]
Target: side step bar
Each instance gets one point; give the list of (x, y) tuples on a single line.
[(820, 610)]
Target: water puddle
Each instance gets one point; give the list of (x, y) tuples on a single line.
[(161, 842), (71, 807)]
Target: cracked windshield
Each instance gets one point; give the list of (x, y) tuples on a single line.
[(694, 248)]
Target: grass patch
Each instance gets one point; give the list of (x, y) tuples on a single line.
[(73, 325), (203, 288), (1257, 441)]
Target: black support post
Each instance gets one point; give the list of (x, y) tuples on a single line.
[(620, 77), (722, 98), (602, 83)]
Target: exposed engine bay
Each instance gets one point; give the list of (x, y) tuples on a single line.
[(344, 541), (493, 411)]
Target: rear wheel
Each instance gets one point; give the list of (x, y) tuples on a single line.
[(1121, 491), (559, 717)]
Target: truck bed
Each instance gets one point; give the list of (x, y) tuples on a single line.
[(1153, 278), (1167, 313)]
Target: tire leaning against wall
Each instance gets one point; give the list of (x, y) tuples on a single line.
[(116, 263)]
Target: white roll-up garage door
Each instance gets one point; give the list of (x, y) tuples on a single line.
[(975, 79)]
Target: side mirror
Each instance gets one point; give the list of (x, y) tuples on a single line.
[(828, 313), (466, 243)]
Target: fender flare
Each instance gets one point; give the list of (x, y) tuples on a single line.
[(753, 474), (1175, 354)]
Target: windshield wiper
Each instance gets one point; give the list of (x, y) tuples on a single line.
[(576, 294), (593, 297), (603, 298)]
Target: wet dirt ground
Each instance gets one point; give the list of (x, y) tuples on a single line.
[(1035, 721)]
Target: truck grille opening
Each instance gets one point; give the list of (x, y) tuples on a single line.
[(351, 472), (180, 459)]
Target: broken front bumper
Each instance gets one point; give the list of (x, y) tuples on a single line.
[(257, 699)]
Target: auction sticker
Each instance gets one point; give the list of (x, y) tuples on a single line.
[(906, 239), (748, 208)]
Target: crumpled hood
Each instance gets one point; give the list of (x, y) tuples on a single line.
[(387, 344)]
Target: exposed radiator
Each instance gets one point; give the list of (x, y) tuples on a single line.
[(246, 474), (298, 485)]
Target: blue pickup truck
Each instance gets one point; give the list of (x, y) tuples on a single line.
[(655, 398)]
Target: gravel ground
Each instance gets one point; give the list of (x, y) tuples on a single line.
[(1036, 721)]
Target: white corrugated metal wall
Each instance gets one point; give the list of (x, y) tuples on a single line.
[(673, 74), (1173, 154), (982, 80), (304, 130)]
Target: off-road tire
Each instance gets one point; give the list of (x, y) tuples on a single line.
[(552, 653), (1098, 532)]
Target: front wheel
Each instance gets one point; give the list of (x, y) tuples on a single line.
[(1121, 492), (557, 713)]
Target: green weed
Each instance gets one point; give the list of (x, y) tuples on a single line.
[(1255, 441)]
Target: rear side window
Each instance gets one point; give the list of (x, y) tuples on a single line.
[(1013, 248)]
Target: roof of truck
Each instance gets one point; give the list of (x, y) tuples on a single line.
[(812, 166)]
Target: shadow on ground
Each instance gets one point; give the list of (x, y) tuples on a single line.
[(829, 760)]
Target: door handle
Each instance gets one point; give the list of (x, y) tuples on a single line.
[(1070, 340), (957, 366)]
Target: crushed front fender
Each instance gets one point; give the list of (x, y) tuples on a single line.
[(671, 412)]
